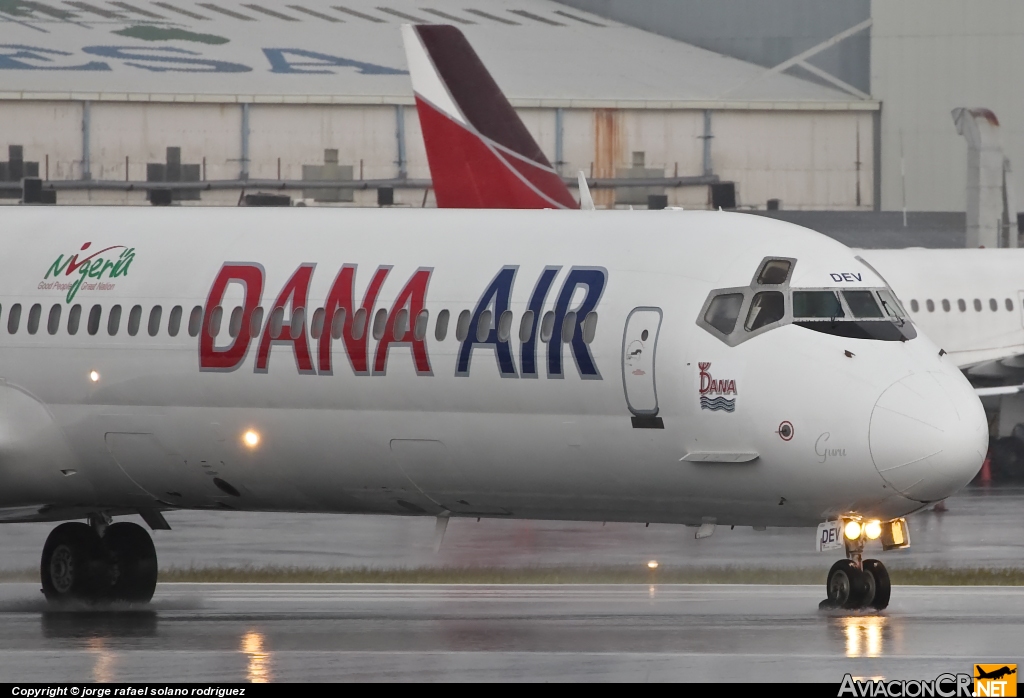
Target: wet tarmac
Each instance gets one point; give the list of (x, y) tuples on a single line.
[(981, 527), (256, 632)]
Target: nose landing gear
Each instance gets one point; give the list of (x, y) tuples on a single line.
[(856, 583), (850, 586), (100, 563)]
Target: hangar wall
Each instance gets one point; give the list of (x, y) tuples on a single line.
[(809, 159)]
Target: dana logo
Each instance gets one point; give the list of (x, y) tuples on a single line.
[(110, 262), (995, 680), (713, 391)]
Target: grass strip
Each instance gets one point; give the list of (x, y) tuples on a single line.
[(273, 574)]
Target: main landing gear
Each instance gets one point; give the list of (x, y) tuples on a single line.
[(97, 563)]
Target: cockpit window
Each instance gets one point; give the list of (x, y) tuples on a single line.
[(774, 271), (768, 302), (894, 310), (723, 311), (863, 304), (817, 304), (766, 308)]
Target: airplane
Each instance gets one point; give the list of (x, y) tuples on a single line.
[(966, 300), (535, 364), (999, 673)]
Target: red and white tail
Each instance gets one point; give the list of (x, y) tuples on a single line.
[(480, 153)]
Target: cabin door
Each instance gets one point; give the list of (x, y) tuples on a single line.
[(639, 342)]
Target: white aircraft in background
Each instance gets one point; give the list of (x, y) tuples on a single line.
[(631, 366), (481, 155)]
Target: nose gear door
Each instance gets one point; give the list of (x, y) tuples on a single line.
[(639, 342)]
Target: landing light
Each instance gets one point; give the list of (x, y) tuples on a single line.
[(251, 438), (873, 529), (94, 376), (653, 565), (852, 530)]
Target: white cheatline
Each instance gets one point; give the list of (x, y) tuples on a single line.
[(426, 82)]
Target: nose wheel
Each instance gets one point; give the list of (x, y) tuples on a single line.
[(81, 565), (852, 587)]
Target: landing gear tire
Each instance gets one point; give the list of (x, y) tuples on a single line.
[(847, 586), (73, 566), (133, 558), (882, 586)]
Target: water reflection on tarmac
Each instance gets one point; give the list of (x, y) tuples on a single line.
[(263, 632), (294, 632)]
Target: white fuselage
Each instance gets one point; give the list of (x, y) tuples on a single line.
[(969, 301), (127, 421)]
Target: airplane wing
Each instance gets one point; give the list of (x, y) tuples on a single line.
[(479, 151)]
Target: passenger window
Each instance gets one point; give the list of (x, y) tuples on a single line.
[(316, 327), (590, 327), (174, 321), (33, 318), (419, 332), (914, 306), (235, 322), (195, 321), (114, 320), (766, 308), (526, 326), (723, 311), (931, 306), (338, 323), (568, 327), (505, 326), (134, 320), (892, 306), (817, 304), (863, 305), (14, 318), (1009, 304), (256, 322), (297, 323), (441, 330), (977, 304), (53, 321), (379, 321), (95, 315), (961, 305), (213, 326), (276, 322), (993, 305), (547, 326), (483, 326), (774, 271), (945, 305), (462, 326), (401, 325), (154, 320), (74, 318), (358, 323)]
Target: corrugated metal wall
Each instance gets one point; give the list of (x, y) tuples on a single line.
[(808, 159)]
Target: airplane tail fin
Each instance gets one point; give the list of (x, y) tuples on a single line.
[(479, 151)]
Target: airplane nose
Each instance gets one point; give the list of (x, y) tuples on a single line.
[(928, 435)]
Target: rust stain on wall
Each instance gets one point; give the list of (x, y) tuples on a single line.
[(608, 150)]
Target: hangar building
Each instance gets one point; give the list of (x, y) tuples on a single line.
[(98, 96)]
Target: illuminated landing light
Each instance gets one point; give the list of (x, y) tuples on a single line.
[(852, 530), (652, 565), (94, 376), (251, 438), (873, 529)]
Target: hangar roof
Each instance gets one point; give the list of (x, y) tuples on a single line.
[(350, 52)]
